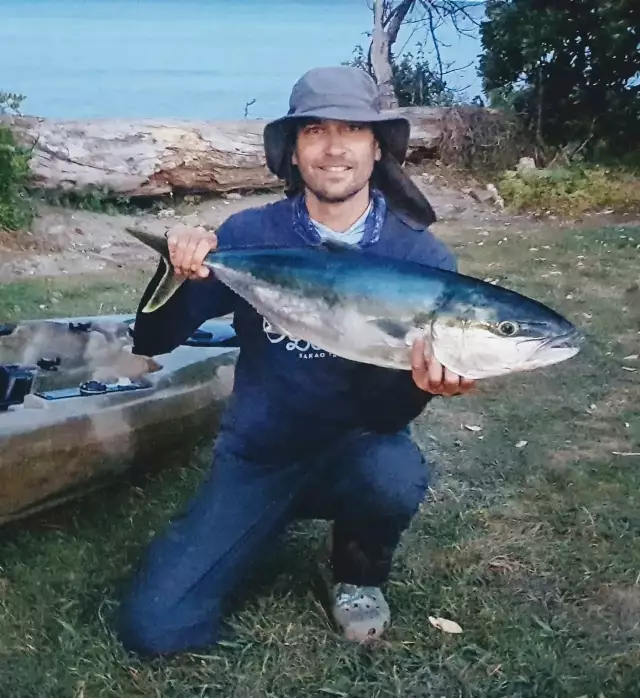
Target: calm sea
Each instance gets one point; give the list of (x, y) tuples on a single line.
[(178, 58)]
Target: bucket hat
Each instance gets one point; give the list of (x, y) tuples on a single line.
[(341, 93)]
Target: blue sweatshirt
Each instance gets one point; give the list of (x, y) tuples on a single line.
[(289, 398)]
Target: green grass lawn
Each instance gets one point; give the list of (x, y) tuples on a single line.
[(534, 551)]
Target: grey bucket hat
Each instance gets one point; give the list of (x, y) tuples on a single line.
[(341, 93)]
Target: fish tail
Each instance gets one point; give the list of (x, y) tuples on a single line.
[(169, 282)]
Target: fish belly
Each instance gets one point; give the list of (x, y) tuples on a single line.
[(350, 329)]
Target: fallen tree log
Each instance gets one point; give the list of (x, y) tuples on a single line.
[(134, 158)]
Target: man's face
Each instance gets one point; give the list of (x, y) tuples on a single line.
[(335, 158)]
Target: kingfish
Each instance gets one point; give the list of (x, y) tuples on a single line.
[(371, 309)]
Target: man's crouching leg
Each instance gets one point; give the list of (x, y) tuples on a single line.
[(176, 600), (381, 481)]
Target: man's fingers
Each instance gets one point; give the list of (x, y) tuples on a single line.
[(202, 250), (431, 376), (450, 382), (417, 355), (435, 372), (418, 365), (187, 249), (428, 373), (173, 235), (467, 384), (196, 249)]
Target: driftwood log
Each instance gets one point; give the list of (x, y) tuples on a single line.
[(134, 158)]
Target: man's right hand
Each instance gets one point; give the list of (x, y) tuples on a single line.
[(187, 249)]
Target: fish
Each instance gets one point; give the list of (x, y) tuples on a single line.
[(371, 309)]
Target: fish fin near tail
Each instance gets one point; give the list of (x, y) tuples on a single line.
[(169, 283)]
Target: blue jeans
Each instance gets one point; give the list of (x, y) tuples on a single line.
[(369, 485)]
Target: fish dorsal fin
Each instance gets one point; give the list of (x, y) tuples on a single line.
[(335, 247)]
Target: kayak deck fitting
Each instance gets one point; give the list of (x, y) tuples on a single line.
[(77, 408)]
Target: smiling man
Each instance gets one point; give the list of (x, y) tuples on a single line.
[(306, 434), (335, 160)]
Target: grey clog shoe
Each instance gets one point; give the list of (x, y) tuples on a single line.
[(361, 613)]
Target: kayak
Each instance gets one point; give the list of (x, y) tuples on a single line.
[(78, 409)]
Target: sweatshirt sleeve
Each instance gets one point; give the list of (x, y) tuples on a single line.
[(390, 399), (193, 303)]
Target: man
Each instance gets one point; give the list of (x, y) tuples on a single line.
[(306, 434)]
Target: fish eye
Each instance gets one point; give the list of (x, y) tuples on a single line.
[(508, 328)]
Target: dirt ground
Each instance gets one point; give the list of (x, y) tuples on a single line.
[(71, 241)]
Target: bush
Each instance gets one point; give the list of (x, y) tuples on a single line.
[(414, 82), (417, 85), (16, 210), (481, 140), (10, 102), (570, 191)]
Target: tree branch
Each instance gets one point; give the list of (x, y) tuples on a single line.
[(396, 18)]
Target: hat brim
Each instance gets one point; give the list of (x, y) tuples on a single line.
[(393, 132)]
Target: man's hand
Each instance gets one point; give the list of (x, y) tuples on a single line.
[(187, 249), (432, 377)]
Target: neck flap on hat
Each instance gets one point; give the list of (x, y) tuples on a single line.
[(372, 226)]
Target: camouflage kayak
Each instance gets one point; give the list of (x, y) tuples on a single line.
[(77, 408)]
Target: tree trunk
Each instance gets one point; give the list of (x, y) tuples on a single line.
[(385, 33), (381, 59), (149, 158)]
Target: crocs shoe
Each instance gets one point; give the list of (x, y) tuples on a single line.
[(361, 613)]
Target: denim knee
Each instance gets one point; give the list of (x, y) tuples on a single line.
[(150, 628), (393, 478)]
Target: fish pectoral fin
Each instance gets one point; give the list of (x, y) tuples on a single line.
[(394, 328), (404, 331)]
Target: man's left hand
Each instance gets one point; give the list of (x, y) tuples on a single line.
[(432, 377)]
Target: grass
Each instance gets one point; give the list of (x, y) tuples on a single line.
[(572, 191), (532, 550), (63, 296)]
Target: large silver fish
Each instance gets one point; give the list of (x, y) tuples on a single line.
[(371, 309)]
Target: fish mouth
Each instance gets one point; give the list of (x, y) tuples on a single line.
[(572, 340)]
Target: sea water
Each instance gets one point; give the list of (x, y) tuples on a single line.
[(197, 59)]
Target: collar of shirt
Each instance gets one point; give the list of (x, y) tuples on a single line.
[(375, 218), (351, 236)]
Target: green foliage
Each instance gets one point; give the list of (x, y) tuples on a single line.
[(415, 83), (570, 191), (16, 210), (10, 102), (98, 200), (570, 69)]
